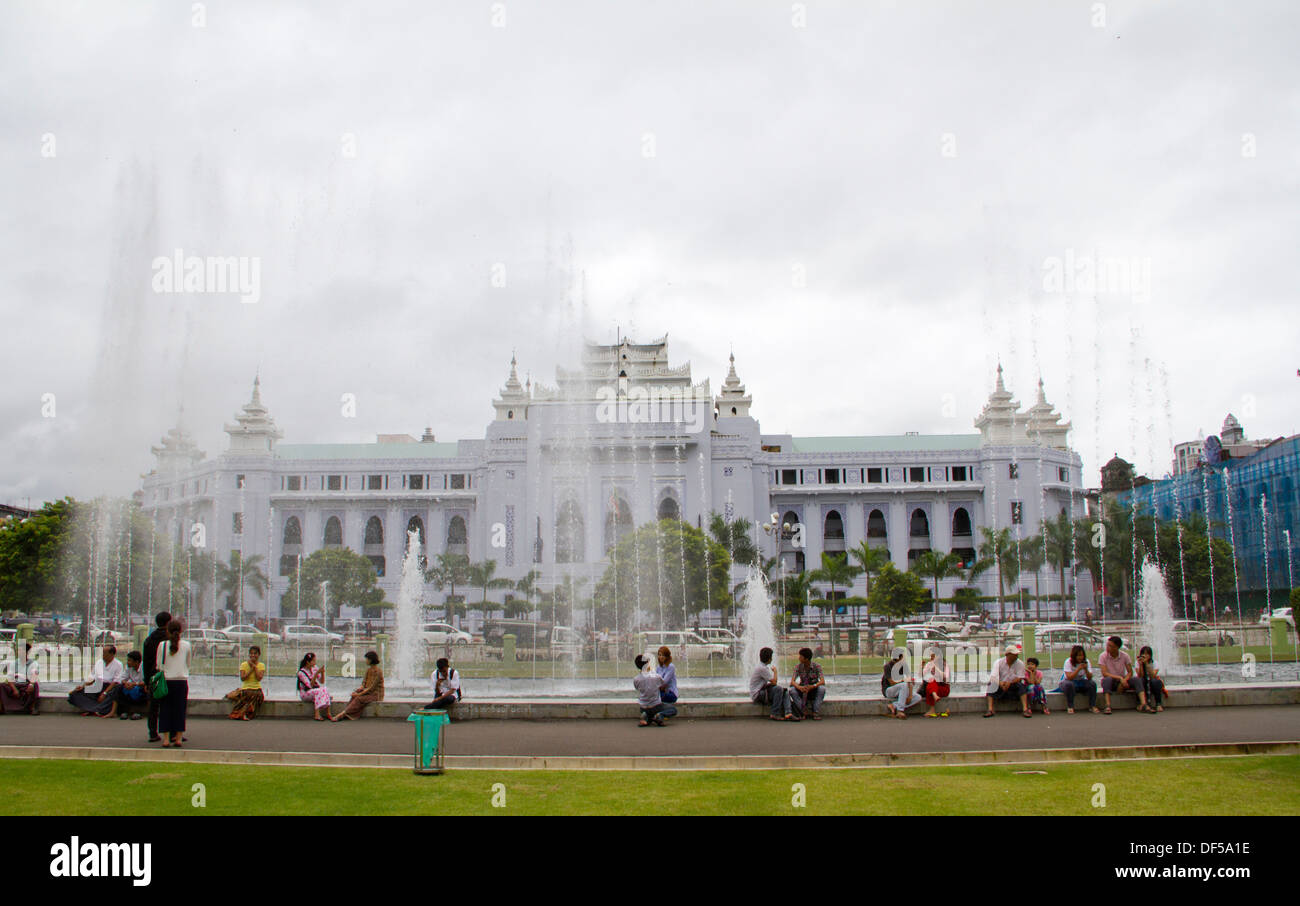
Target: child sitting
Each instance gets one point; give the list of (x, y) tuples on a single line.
[(1034, 680)]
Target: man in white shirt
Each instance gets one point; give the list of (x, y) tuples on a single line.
[(96, 695), (446, 686), (1008, 681)]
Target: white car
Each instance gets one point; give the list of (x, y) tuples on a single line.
[(98, 635), (444, 634), (1191, 632), (212, 641), (921, 631), (246, 632), (684, 645), (1279, 613), (306, 634), (719, 636)]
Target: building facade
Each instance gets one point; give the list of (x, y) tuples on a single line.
[(563, 471)]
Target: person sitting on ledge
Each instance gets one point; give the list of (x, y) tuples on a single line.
[(934, 683), (1077, 677), (1117, 672), (132, 693), (1008, 681), (1151, 688), (446, 686), (647, 684), (665, 668), (96, 695), (808, 687), (311, 686), (897, 687), (1034, 685), (370, 690), (20, 693), (249, 694), (765, 689)]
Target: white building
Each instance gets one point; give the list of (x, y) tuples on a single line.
[(562, 471)]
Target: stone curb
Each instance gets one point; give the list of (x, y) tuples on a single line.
[(666, 762)]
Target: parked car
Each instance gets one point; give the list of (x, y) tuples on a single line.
[(98, 635), (1192, 632), (1015, 629), (356, 629), (685, 645), (439, 634), (302, 634), (920, 631), (1279, 613), (206, 642), (246, 632), (1067, 635), (719, 636)]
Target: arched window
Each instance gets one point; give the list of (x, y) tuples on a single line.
[(920, 524), (570, 532), (292, 531), (668, 508), (374, 530), (618, 523), (333, 532), (834, 527), (961, 523), (416, 524), (876, 525), (456, 533)]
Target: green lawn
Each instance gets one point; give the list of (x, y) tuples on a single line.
[(1264, 785)]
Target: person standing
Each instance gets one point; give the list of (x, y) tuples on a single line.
[(808, 687), (21, 693), (765, 688), (174, 657), (98, 695), (150, 667)]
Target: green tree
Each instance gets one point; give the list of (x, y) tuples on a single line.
[(527, 586), (1059, 539), (233, 577), (1032, 559), (30, 550), (936, 567), (795, 591), (896, 593), (450, 570), (483, 575), (871, 560), (351, 577), (997, 551), (836, 571), (736, 537), (646, 571)]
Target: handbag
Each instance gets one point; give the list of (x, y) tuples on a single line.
[(158, 682)]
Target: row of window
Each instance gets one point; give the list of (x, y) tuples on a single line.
[(875, 475), (332, 533), (411, 481)]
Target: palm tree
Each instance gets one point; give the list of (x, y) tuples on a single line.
[(1032, 559), (1059, 535), (481, 575), (871, 560), (451, 569), (797, 589), (998, 550), (736, 537), (528, 585), (239, 573), (936, 567)]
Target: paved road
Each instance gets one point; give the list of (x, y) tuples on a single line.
[(692, 737)]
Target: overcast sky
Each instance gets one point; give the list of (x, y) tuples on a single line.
[(864, 201)]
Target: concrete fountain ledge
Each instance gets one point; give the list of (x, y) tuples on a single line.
[(1197, 696)]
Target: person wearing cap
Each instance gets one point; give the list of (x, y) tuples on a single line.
[(648, 684), (1008, 681)]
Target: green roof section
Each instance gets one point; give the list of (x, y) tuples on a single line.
[(887, 443), (415, 450)]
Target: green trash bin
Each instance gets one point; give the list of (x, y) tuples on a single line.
[(428, 739)]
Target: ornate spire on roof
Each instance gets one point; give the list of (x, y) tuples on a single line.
[(254, 431), (513, 401), (733, 401), (1044, 424), (1000, 422)]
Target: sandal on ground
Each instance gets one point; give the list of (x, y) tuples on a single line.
[(988, 713), (1160, 708), (901, 715), (944, 714), (1069, 710), (1046, 710), (1107, 711), (1027, 713), (643, 723), (930, 714)]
